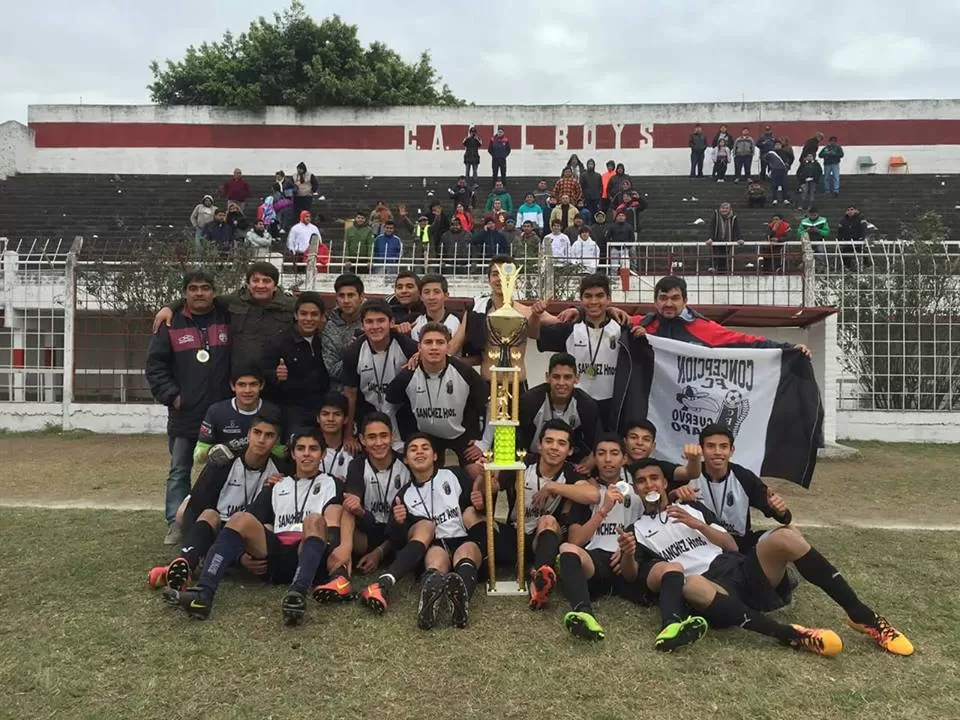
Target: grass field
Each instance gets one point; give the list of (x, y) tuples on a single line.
[(82, 637)]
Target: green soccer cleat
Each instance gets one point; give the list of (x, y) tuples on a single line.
[(678, 634), (583, 625)]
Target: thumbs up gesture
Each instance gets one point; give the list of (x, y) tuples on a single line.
[(282, 373), (399, 511)]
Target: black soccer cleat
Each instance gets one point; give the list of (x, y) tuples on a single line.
[(196, 602), (293, 607), (456, 591), (431, 591)]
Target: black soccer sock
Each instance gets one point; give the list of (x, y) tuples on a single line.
[(815, 568), (225, 552), (573, 583), (728, 611), (198, 539), (548, 545), (672, 608), (311, 555), (468, 572), (478, 534), (406, 561)]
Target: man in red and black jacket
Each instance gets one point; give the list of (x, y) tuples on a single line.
[(188, 369)]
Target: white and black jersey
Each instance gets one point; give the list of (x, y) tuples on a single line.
[(533, 482), (581, 413), (731, 498), (451, 321), (225, 422), (228, 489), (442, 499), (446, 405), (660, 537), (621, 516), (336, 461), (287, 503), (596, 350), (376, 488), (371, 372)]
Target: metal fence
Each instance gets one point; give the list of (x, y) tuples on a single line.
[(67, 305)]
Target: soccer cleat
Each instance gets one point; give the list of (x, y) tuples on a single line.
[(885, 635), (158, 577), (817, 640), (293, 607), (541, 584), (583, 625), (456, 591), (431, 590), (678, 634), (195, 602), (372, 596), (178, 574), (337, 590)]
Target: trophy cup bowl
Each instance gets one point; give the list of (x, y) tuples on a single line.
[(506, 325)]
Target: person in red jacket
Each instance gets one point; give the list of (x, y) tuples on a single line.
[(236, 189)]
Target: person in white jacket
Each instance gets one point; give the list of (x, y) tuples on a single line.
[(585, 251), (298, 240), (202, 214), (558, 243), (258, 239)]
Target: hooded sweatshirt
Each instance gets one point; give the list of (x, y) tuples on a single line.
[(298, 240), (202, 214)]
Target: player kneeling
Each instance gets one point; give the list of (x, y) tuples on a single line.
[(219, 492), (434, 510), (293, 527)]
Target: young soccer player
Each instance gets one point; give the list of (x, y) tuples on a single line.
[(332, 421), (640, 441), (226, 423), (434, 293), (405, 302)]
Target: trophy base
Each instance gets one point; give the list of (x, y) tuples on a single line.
[(505, 588), (494, 467)]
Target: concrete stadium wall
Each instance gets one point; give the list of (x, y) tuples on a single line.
[(649, 139)]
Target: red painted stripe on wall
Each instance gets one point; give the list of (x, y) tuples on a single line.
[(891, 133)]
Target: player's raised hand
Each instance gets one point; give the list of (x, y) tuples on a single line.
[(684, 493), (477, 499), (540, 306), (678, 514), (627, 542), (399, 511), (776, 502), (282, 373), (692, 451), (611, 498)]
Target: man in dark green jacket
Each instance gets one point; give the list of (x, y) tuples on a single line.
[(358, 244), (832, 154)]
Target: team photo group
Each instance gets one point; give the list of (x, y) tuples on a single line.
[(338, 452)]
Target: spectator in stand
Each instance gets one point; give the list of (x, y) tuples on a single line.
[(779, 190), (236, 188), (756, 195), (283, 187), (591, 185), (572, 231), (576, 167), (724, 228), (465, 217), (499, 193), (564, 213), (723, 135), (421, 239), (544, 199), (267, 214), (499, 214), (499, 149), (559, 244), (851, 232), (698, 148), (510, 233), (816, 228), (379, 217), (605, 196), (743, 149), (202, 214), (526, 246), (489, 241), (259, 240), (622, 193), (298, 239), (569, 186), (387, 249), (617, 242), (770, 256), (219, 232), (585, 252), (471, 155), (439, 223), (811, 146), (342, 326), (598, 231), (461, 194), (786, 152), (809, 175), (832, 154), (358, 244), (238, 221), (615, 185), (632, 207), (455, 246), (188, 369), (530, 211), (306, 186), (721, 158), (765, 145)]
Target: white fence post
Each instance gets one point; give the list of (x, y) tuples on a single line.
[(69, 316)]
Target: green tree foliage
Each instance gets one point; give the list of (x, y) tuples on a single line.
[(297, 62)]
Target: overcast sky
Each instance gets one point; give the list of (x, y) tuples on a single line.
[(500, 52)]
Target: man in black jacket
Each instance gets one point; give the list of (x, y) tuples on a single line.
[(188, 369), (591, 182), (297, 379), (460, 194)]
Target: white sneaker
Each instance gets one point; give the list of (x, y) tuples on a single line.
[(173, 535)]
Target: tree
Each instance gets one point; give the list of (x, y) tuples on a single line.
[(296, 62)]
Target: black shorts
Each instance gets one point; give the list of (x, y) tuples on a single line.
[(605, 582), (282, 561), (458, 445), (742, 577), (375, 536), (505, 546), (451, 545)]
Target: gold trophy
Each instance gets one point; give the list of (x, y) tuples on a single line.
[(507, 330)]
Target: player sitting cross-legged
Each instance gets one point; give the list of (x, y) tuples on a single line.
[(293, 526)]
